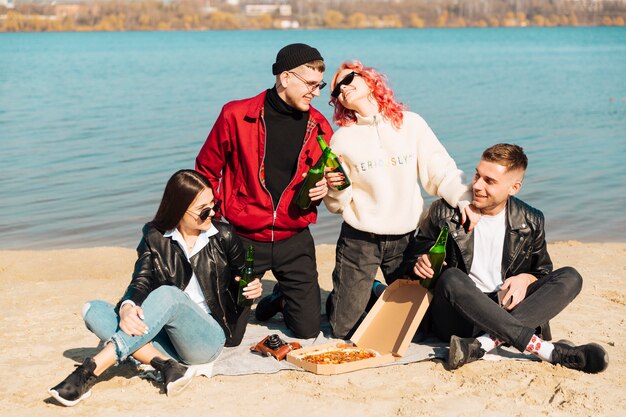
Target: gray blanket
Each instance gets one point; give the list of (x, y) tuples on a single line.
[(241, 361)]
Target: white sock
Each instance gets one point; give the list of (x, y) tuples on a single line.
[(489, 342), (540, 348)]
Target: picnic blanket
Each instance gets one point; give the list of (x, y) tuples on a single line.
[(240, 360)]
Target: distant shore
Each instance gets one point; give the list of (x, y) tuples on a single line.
[(145, 15), (289, 30)]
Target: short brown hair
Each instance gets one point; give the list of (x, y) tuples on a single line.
[(317, 65), (181, 190), (510, 156)]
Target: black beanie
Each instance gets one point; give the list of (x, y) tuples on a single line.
[(294, 55)]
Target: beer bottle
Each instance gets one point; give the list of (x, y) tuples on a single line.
[(315, 174), (436, 255), (247, 275), (334, 163)]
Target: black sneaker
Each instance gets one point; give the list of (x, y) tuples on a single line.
[(77, 386), (463, 350), (176, 377), (590, 358), (270, 305)]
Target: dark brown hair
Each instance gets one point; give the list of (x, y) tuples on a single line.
[(181, 189), (510, 156)]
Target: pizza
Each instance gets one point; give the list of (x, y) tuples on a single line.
[(338, 355)]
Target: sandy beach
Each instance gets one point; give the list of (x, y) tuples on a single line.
[(43, 336)]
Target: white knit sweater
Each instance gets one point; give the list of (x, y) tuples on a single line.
[(384, 165)]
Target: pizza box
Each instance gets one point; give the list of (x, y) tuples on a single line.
[(387, 330)]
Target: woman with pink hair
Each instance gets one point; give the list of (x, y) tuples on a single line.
[(385, 151)]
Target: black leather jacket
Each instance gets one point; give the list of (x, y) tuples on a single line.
[(161, 261), (524, 242)]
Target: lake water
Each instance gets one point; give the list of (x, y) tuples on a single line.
[(93, 124)]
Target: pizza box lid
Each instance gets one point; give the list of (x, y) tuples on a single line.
[(392, 322)]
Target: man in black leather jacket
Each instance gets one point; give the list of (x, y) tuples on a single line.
[(498, 285)]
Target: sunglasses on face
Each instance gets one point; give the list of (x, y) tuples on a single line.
[(206, 212), (347, 80), (311, 84)]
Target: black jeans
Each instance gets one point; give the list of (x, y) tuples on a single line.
[(460, 308), (358, 257), (292, 261)]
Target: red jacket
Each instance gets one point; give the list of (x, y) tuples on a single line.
[(234, 152)]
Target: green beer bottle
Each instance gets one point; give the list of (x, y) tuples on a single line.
[(247, 275), (333, 163), (315, 174), (436, 255)]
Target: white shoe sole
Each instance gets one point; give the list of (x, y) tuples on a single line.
[(68, 403), (176, 387)]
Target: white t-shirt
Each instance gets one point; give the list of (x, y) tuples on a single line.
[(486, 270)]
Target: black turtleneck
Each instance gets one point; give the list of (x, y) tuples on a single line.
[(284, 133)]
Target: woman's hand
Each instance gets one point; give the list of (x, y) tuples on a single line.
[(473, 214), (131, 320), (253, 290), (333, 178)]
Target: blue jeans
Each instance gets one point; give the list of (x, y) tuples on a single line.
[(177, 327)]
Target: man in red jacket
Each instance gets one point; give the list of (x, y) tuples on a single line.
[(255, 157)]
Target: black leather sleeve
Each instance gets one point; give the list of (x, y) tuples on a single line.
[(541, 264), (235, 252), (142, 281)]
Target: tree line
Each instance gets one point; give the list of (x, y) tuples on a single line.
[(133, 15)]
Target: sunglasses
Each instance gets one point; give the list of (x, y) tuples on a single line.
[(311, 84), (206, 212), (347, 80)]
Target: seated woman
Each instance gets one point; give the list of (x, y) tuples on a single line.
[(386, 150), (181, 304)]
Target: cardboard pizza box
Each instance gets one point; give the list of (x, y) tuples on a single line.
[(387, 330)]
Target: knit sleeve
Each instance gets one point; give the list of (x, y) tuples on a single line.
[(336, 200), (437, 171)]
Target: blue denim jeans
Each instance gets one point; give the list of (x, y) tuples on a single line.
[(177, 327), (358, 257)]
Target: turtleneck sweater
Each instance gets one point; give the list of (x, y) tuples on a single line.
[(385, 165), (284, 134)]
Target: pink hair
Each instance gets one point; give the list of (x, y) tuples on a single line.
[(389, 107)]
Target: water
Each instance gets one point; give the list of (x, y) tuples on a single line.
[(93, 124)]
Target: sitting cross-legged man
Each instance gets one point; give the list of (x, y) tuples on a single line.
[(498, 286)]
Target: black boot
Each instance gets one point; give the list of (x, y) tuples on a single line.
[(77, 386), (591, 358), (270, 305), (463, 350), (176, 377)]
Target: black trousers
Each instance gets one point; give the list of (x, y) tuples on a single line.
[(292, 261), (460, 308)]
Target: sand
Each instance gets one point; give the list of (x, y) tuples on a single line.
[(43, 336)]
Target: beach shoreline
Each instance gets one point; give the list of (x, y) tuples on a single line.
[(44, 336)]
